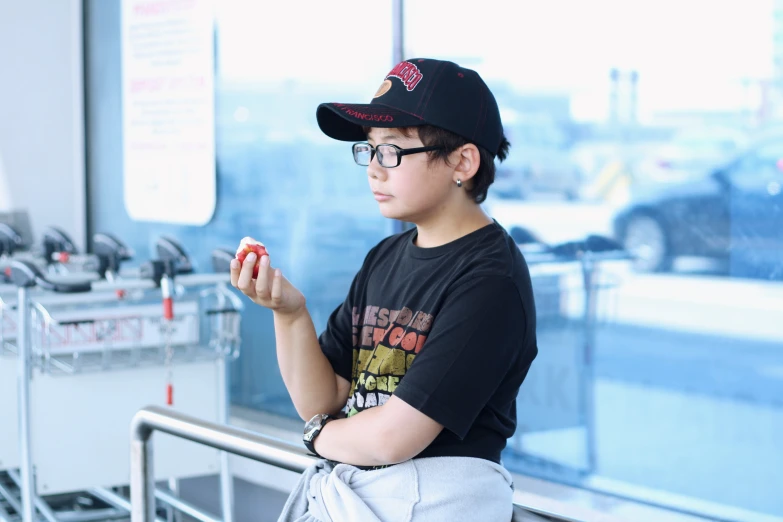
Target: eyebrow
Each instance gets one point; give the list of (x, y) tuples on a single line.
[(386, 137)]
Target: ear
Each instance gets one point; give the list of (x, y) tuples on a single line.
[(468, 160)]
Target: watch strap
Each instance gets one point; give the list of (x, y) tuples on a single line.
[(310, 444)]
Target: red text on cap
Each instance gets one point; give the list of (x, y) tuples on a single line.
[(409, 74)]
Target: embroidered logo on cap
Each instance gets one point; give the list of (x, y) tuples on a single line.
[(407, 73), (383, 89), (363, 115)]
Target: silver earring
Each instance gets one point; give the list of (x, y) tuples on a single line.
[(459, 183)]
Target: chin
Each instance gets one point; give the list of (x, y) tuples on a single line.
[(389, 212), (405, 217)]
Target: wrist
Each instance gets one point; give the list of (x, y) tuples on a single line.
[(290, 317), (318, 442), (313, 430)]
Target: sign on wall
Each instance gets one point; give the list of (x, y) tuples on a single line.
[(168, 110)]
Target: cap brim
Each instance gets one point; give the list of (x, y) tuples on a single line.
[(344, 121)]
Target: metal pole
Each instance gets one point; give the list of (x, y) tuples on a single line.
[(398, 24), (110, 497), (588, 406), (116, 500), (142, 480), (398, 55), (239, 441), (4, 516), (180, 506), (92, 515), (226, 479), (10, 498), (224, 412), (172, 515), (23, 382), (38, 502)]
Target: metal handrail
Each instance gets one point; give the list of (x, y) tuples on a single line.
[(269, 450), (262, 448)]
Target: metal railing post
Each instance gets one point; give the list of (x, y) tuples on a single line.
[(268, 450), (224, 409), (142, 479), (245, 443), (24, 373)]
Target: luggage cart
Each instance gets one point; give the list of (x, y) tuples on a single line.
[(97, 365), (12, 245), (573, 285), (110, 255), (25, 275), (58, 255)]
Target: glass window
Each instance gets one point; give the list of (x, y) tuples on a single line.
[(279, 179), (661, 379), (658, 378), (289, 185)]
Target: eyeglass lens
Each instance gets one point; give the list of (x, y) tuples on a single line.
[(387, 155)]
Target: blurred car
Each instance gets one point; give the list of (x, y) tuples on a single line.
[(730, 213), (539, 162), (689, 153), (552, 174)]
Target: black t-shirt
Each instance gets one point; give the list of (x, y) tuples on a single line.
[(450, 330)]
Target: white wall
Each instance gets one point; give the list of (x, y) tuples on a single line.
[(41, 114)]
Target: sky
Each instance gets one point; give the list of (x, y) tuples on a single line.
[(690, 54)]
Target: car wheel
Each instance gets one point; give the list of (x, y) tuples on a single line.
[(646, 240)]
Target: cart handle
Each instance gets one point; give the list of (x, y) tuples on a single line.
[(25, 274)]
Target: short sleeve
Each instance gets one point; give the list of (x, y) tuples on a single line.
[(337, 338), (477, 338)]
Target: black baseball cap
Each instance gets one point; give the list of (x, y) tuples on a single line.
[(421, 91)]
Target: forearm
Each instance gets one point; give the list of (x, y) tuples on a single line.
[(307, 373), (359, 440)]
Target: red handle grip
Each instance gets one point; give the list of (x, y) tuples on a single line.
[(168, 308)]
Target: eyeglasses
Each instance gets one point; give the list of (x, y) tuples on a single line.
[(389, 156)]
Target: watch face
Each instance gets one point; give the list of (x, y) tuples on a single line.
[(313, 425)]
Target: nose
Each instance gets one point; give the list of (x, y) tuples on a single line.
[(374, 169)]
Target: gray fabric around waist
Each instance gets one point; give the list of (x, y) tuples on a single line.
[(453, 489)]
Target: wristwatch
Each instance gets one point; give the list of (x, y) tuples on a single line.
[(312, 429)]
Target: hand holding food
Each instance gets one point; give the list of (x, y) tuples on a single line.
[(251, 272)]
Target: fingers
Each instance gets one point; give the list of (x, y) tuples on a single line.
[(245, 279), (235, 268), (263, 281), (277, 287), (266, 289)]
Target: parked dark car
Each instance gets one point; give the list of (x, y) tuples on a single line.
[(732, 213)]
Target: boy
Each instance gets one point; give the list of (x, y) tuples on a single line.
[(409, 393)]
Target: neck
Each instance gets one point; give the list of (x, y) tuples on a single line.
[(450, 226)]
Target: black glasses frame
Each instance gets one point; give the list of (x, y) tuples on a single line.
[(400, 153)]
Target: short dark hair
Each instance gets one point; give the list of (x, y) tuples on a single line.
[(448, 142)]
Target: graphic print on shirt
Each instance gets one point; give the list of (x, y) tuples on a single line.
[(385, 343)]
